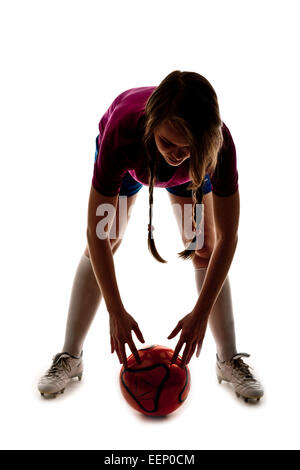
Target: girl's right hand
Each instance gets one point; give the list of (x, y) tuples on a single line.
[(121, 325)]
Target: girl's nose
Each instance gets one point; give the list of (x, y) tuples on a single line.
[(180, 153)]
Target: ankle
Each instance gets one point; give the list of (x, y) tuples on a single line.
[(74, 352), (225, 356)]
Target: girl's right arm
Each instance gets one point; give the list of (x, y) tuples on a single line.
[(101, 256)]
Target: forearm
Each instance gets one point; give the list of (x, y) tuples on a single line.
[(103, 265), (216, 273)]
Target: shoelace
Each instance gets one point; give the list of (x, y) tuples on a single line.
[(242, 369), (57, 366)]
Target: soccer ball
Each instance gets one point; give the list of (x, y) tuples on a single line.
[(155, 387)]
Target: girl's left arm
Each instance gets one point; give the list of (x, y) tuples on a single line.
[(226, 215)]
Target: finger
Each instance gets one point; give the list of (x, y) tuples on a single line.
[(123, 354), (175, 331), (185, 354), (199, 347), (112, 347), (119, 356), (176, 351), (118, 350), (190, 354), (138, 333), (134, 351)]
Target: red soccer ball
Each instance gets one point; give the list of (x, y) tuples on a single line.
[(155, 387)]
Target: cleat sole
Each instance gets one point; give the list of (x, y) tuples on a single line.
[(246, 399), (54, 394), (50, 395)]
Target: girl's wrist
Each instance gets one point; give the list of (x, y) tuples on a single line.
[(200, 314), (116, 311)]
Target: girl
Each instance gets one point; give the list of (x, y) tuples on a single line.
[(170, 136)]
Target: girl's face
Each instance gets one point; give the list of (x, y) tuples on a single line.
[(171, 143)]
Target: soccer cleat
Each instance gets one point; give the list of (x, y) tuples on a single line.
[(63, 369), (236, 372)]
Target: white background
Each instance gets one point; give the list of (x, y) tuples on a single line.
[(62, 64)]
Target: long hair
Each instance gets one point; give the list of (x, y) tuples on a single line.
[(189, 102)]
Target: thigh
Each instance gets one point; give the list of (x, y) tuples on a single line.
[(127, 197), (123, 213), (182, 207), (122, 216)]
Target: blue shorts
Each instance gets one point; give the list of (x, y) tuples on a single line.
[(130, 186)]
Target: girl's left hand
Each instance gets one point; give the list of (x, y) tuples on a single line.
[(193, 330)]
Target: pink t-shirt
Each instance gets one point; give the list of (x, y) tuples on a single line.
[(120, 150)]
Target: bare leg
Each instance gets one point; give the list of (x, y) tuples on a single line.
[(85, 299), (221, 321)]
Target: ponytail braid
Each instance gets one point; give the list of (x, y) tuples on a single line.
[(151, 243), (197, 195)]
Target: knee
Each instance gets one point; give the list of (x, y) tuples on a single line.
[(202, 256), (200, 261)]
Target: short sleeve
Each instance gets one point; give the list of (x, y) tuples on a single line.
[(224, 180), (110, 163)]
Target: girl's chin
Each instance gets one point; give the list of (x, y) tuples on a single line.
[(172, 162)]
